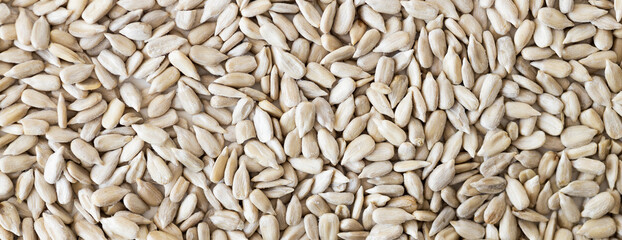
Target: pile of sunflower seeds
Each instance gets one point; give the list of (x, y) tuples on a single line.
[(310, 119)]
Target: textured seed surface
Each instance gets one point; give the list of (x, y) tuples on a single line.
[(310, 119)]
